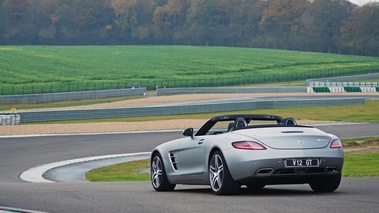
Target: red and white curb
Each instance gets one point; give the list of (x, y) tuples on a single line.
[(35, 174)]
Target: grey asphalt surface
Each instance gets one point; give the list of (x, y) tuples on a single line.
[(354, 195), (19, 154)]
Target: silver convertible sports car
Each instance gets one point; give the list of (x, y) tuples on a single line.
[(253, 150)]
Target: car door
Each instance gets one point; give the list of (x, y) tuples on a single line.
[(191, 155)]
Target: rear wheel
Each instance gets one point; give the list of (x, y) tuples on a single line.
[(158, 175), (326, 184), (220, 179)]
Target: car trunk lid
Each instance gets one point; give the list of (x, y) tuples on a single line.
[(289, 137)]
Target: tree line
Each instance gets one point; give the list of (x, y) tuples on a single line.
[(332, 26)]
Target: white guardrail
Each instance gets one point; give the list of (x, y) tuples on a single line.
[(343, 84), (339, 87), (9, 119)]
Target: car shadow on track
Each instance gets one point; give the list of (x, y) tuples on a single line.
[(277, 191)]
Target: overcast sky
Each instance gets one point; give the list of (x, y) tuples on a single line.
[(362, 2)]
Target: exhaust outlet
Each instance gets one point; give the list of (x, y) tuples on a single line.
[(265, 171), (331, 169)]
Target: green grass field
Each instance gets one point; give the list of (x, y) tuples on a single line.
[(33, 69), (361, 165)]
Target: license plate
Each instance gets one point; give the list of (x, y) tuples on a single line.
[(311, 162)]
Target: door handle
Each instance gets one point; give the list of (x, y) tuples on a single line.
[(201, 141)]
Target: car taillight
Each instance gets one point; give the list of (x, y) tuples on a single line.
[(248, 145), (336, 144)]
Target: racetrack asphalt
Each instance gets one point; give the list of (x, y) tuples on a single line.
[(19, 154)]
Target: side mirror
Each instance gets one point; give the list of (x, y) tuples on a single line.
[(188, 132)]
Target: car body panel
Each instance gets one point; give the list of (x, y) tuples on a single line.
[(307, 150), (289, 138)]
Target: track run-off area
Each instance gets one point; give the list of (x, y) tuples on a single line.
[(21, 153)]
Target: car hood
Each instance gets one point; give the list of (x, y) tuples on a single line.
[(289, 137)]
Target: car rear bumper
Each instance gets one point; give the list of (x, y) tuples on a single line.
[(275, 171)]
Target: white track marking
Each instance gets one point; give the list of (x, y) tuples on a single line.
[(35, 174)]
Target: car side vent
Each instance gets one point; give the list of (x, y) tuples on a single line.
[(174, 161)]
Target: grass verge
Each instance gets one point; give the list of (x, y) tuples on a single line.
[(363, 164), (130, 171), (357, 164)]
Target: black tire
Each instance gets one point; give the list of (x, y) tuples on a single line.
[(220, 179), (326, 184), (158, 175)]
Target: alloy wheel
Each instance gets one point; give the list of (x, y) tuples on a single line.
[(216, 172), (156, 172)]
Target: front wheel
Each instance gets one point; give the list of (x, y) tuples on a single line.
[(220, 179), (158, 175), (326, 184)]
